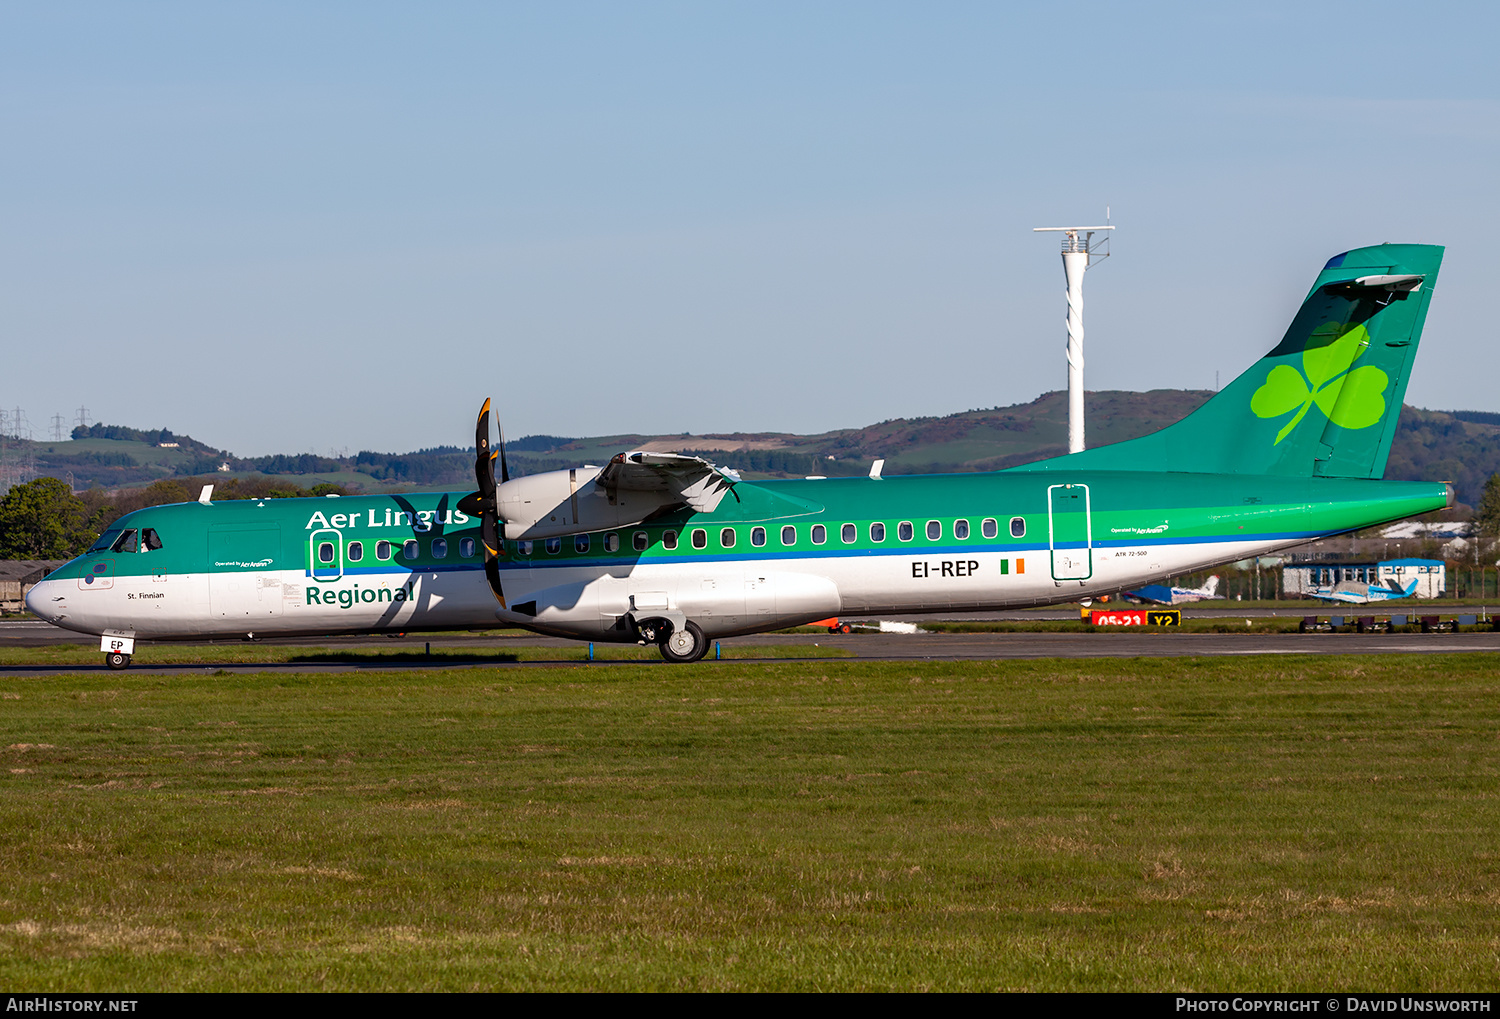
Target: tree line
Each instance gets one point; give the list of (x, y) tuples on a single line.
[(154, 436)]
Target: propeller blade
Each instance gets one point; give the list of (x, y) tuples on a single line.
[(504, 471), (483, 473), (483, 503), (492, 574), (491, 529)]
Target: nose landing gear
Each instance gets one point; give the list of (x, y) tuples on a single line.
[(117, 660)]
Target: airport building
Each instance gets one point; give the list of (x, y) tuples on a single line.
[(17, 576), (1300, 579)]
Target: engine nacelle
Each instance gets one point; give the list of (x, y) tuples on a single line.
[(567, 502)]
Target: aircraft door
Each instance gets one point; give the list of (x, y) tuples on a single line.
[(243, 579), (1070, 532), (325, 555)]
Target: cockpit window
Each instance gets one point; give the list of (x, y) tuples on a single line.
[(150, 542), (105, 541), (126, 542)]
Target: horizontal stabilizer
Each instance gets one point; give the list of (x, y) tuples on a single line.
[(1391, 283)]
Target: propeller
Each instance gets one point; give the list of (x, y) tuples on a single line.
[(484, 503)]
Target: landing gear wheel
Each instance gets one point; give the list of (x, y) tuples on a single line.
[(685, 645), (115, 660)]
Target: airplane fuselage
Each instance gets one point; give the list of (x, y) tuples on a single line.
[(671, 548), (773, 554)]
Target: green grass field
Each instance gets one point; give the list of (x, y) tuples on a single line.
[(1271, 823)]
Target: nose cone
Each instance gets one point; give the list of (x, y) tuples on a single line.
[(40, 601)]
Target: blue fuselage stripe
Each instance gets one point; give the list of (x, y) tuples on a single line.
[(766, 554)]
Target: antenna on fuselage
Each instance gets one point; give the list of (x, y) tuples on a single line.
[(206, 495), (1079, 251)]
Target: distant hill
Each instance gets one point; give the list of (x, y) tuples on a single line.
[(1460, 446)]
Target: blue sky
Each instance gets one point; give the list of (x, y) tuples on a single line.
[(286, 227)]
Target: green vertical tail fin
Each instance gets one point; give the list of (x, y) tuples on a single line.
[(1324, 402)]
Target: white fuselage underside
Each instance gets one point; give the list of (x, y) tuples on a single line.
[(723, 596)]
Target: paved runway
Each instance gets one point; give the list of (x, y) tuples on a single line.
[(1196, 611), (865, 646)]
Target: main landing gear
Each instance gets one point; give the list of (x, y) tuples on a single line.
[(116, 660), (684, 643)]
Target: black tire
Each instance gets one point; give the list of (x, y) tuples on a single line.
[(685, 645), (116, 660), (846, 628)]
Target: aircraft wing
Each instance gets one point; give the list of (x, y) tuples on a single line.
[(676, 477), (1351, 596), (1183, 595)]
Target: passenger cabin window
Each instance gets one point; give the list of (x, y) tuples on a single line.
[(727, 537), (819, 534), (904, 530), (639, 540), (440, 548), (848, 533), (961, 530), (757, 536), (125, 542), (524, 546), (149, 541), (789, 535), (934, 530), (325, 551), (990, 528), (354, 551), (382, 550), (409, 549), (1017, 527), (611, 542), (669, 540), (877, 532), (466, 547), (554, 546), (700, 538), (580, 543)]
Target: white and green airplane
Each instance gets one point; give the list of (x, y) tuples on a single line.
[(673, 550)]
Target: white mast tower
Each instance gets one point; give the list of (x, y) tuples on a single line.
[(1078, 253)]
